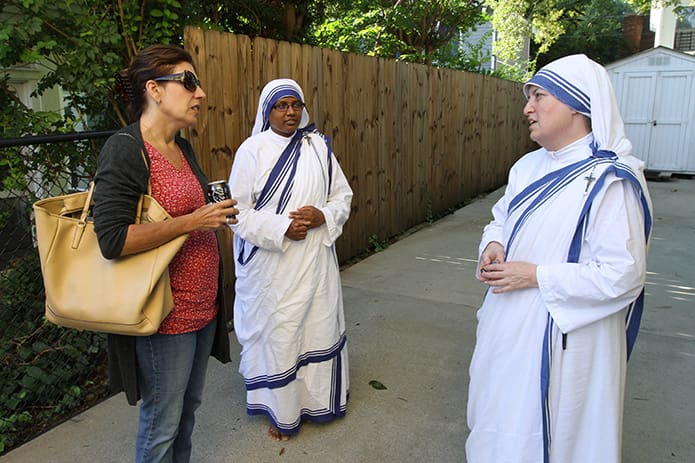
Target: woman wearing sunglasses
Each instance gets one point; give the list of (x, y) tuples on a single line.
[(167, 369)]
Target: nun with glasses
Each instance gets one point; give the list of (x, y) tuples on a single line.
[(293, 202), (564, 259)]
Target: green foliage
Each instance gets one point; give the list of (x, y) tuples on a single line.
[(560, 27), (464, 55), (17, 120), (515, 21), (46, 369), (409, 30), (50, 164), (73, 44), (273, 19), (509, 19), (377, 245), (429, 214), (592, 27), (643, 6), (80, 44)]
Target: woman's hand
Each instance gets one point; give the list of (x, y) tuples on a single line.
[(509, 276), (209, 217), (304, 219), (215, 216), (310, 214), (298, 229), (505, 276), (494, 252)]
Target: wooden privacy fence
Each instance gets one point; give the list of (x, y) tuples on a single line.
[(414, 140)]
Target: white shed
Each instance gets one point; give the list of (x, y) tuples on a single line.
[(655, 90)]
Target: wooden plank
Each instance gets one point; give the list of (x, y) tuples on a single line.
[(362, 133), (333, 119), (311, 76), (247, 98), (266, 65), (422, 154), (215, 63), (406, 200), (454, 96), (230, 82), (436, 160), (194, 40), (388, 147)]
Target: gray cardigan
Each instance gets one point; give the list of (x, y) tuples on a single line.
[(121, 178)]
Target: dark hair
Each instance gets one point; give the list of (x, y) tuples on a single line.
[(153, 61)]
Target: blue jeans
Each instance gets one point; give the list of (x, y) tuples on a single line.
[(171, 376)]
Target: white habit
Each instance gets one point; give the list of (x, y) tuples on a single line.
[(587, 300), (288, 309), (548, 370)]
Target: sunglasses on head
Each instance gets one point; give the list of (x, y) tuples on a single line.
[(187, 78)]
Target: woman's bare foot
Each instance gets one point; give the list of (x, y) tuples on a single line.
[(275, 434)]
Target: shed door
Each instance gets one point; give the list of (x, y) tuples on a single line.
[(655, 112), (636, 108)]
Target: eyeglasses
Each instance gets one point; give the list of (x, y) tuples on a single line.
[(187, 78), (282, 106)]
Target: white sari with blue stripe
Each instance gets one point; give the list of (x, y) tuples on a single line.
[(548, 369), (288, 309)]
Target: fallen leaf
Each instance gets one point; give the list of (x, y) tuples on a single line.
[(377, 385)]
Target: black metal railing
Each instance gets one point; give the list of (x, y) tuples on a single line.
[(49, 373)]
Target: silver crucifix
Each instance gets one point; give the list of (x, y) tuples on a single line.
[(589, 179)]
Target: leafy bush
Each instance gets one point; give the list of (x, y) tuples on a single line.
[(48, 372)]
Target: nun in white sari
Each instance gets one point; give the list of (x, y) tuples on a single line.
[(565, 261), (293, 201)]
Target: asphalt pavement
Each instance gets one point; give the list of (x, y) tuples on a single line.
[(410, 313)]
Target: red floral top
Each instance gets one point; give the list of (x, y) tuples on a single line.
[(195, 268)]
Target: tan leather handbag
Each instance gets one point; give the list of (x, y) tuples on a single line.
[(128, 295)]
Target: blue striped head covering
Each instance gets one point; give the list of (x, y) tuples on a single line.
[(561, 88), (271, 93), (584, 86)]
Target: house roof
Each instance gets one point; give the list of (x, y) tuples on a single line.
[(686, 59)]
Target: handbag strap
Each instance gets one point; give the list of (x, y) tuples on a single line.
[(87, 203), (138, 211), (144, 159), (149, 183), (82, 223)]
